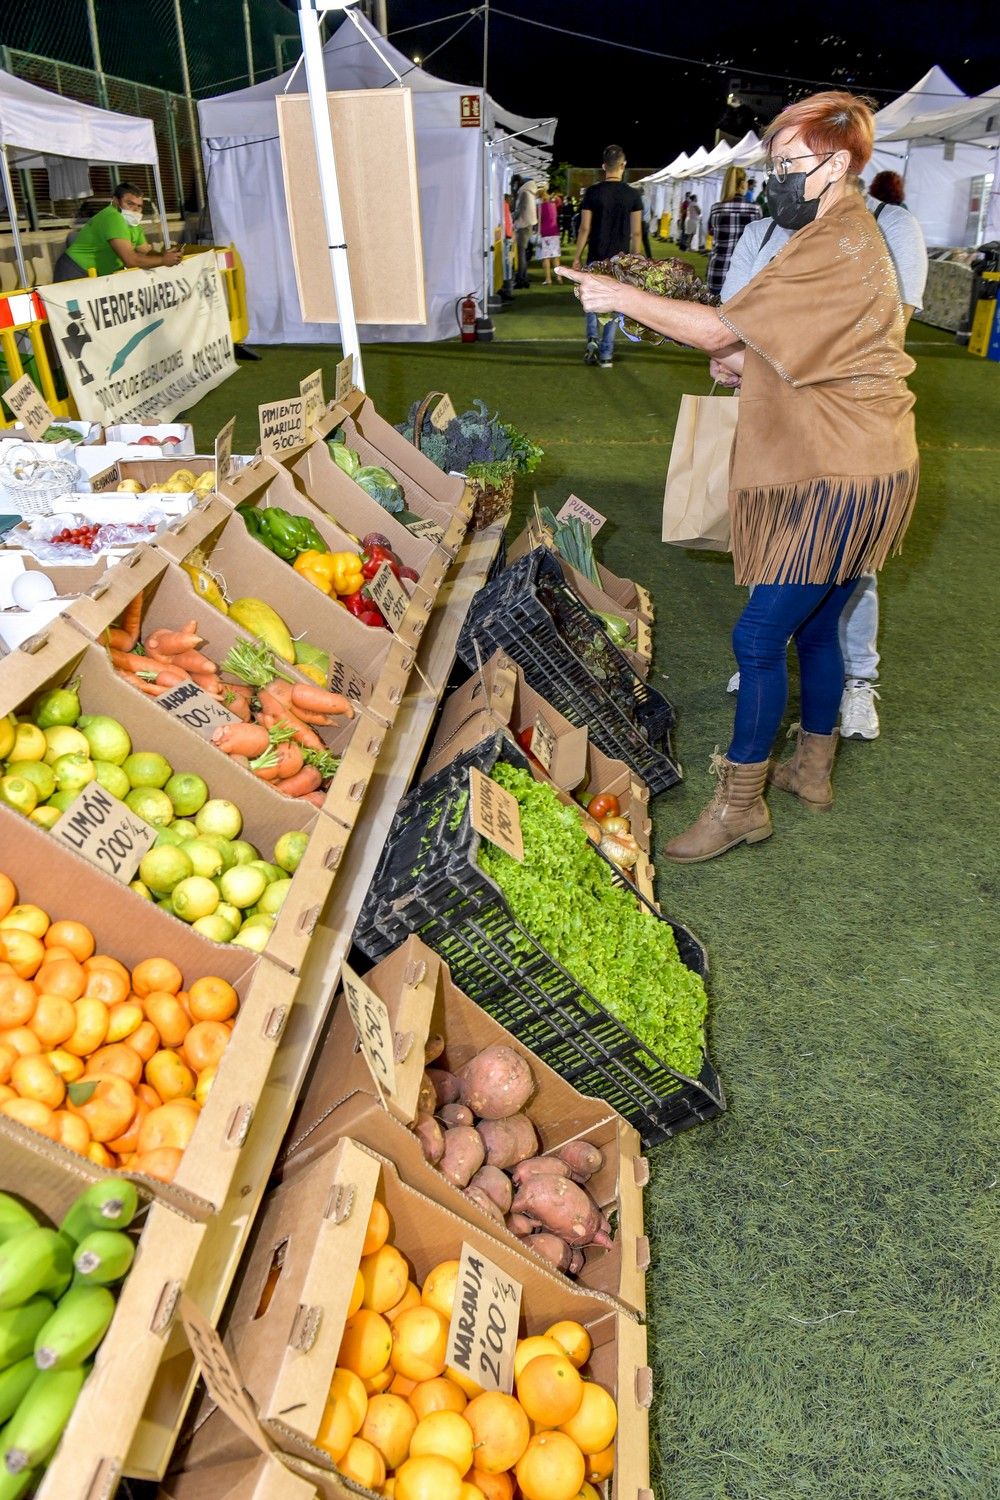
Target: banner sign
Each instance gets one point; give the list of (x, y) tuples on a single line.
[(142, 345)]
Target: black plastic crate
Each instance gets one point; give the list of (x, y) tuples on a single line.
[(531, 613), (429, 882)]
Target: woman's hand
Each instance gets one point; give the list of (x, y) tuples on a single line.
[(597, 294), (722, 373)]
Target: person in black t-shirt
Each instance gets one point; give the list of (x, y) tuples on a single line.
[(610, 222)]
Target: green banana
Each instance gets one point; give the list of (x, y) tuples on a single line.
[(36, 1260), (108, 1204), (14, 1383), (19, 1327), (103, 1257), (12, 1486), (14, 1217), (34, 1430), (75, 1328)]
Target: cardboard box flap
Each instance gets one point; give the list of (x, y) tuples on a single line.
[(263, 1478)]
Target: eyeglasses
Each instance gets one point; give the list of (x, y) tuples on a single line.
[(780, 166)]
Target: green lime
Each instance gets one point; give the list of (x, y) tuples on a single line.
[(224, 846), (289, 850), (243, 886), (215, 928), (152, 805), (73, 772), (108, 740), (187, 792), (269, 871), (272, 899), (37, 771), (19, 793), (61, 801), (219, 816), (112, 778), (205, 858), (62, 740), (185, 827), (193, 898), (163, 868), (59, 706), (243, 853), (168, 835), (45, 817), (232, 914), (147, 768)]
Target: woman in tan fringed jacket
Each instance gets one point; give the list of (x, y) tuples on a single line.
[(824, 471)]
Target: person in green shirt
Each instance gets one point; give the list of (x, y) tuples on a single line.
[(112, 240)]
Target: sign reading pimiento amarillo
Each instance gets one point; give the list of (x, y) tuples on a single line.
[(142, 345)]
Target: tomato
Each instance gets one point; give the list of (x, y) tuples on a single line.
[(604, 805), (524, 738)]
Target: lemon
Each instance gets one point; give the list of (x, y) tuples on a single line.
[(193, 898), (289, 849), (253, 937), (219, 816), (62, 740), (164, 867), (112, 778), (273, 897), (45, 817), (215, 928), (231, 914), (205, 858), (8, 733), (243, 885), (19, 793), (108, 740), (141, 889), (187, 792), (29, 743), (38, 772), (58, 706), (152, 805), (73, 772), (147, 768), (243, 853)]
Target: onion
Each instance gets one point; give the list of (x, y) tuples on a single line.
[(592, 829), (621, 849), (615, 824)]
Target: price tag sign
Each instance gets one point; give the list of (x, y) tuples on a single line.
[(282, 425), (483, 1328), (106, 479), (28, 407), (224, 1385), (543, 743), (443, 413), (494, 813), (429, 529), (344, 378), (105, 831), (390, 596), (196, 708), (586, 513), (344, 679), (224, 451), (311, 391), (371, 1022)]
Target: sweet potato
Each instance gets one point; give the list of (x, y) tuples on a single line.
[(431, 1137), (463, 1154), (521, 1225), (560, 1206), (485, 1202), (496, 1185), (496, 1083), (433, 1047), (552, 1249), (456, 1114), (582, 1158), (577, 1261), (427, 1101), (539, 1166), (508, 1141), (445, 1085)]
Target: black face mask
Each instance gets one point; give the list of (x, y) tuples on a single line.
[(787, 202)]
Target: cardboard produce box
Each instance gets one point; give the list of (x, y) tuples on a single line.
[(62, 653), (367, 664), (347, 1095), (265, 1477), (306, 1250), (427, 490), (624, 596), (168, 601), (178, 436), (151, 473)]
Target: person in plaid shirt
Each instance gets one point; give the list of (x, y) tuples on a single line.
[(726, 223)]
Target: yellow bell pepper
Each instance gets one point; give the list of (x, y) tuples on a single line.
[(333, 572), (347, 575), (315, 568)]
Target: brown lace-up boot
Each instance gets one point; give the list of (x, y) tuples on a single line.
[(806, 773), (737, 814)]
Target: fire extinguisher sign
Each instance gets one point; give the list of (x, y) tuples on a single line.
[(470, 107)]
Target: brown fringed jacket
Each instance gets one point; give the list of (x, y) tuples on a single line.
[(824, 469)]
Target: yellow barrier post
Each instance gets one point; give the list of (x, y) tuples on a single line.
[(24, 313)]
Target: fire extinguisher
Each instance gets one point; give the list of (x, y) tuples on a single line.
[(465, 313)]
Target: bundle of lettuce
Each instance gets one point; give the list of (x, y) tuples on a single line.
[(475, 444), (672, 278)]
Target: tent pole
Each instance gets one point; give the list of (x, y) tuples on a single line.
[(199, 171), (248, 38), (319, 109), (161, 207), (8, 193), (484, 325)]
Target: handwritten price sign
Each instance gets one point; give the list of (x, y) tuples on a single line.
[(543, 743), (494, 813), (105, 831), (28, 407), (483, 1329), (371, 1022), (196, 708), (586, 513)]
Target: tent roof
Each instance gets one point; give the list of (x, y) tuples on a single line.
[(930, 95), (35, 122), (965, 120)]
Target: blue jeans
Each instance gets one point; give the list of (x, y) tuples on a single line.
[(607, 333), (809, 614)]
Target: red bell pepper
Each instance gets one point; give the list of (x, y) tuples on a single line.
[(375, 557), (363, 609)]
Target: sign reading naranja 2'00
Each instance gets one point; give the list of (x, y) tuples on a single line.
[(142, 345)]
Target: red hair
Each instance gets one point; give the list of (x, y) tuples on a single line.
[(830, 122), (888, 187)]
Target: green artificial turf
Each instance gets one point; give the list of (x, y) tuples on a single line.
[(824, 1318)]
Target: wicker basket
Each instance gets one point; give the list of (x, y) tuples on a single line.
[(31, 484), (493, 501)]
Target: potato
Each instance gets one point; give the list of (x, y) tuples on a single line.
[(427, 1099), (431, 1137), (446, 1085), (561, 1207), (577, 1261), (464, 1153), (539, 1166), (552, 1249), (508, 1141), (582, 1159), (485, 1202), (433, 1047), (496, 1185), (496, 1083), (456, 1114), (521, 1225)]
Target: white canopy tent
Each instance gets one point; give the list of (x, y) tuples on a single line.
[(33, 121), (247, 197), (973, 122)]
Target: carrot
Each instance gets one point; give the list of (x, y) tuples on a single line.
[(306, 737), (290, 760), (160, 658), (282, 693), (318, 799), (128, 661), (238, 706), (193, 661), (119, 639), (239, 689), (241, 739), (306, 780), (170, 677), (149, 688), (131, 620), (172, 642), (208, 682), (318, 701)]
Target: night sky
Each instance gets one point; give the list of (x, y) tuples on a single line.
[(656, 107)]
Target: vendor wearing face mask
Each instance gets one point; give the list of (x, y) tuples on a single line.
[(111, 240), (824, 472)]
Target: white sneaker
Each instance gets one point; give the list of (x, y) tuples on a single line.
[(858, 714), (733, 685)]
